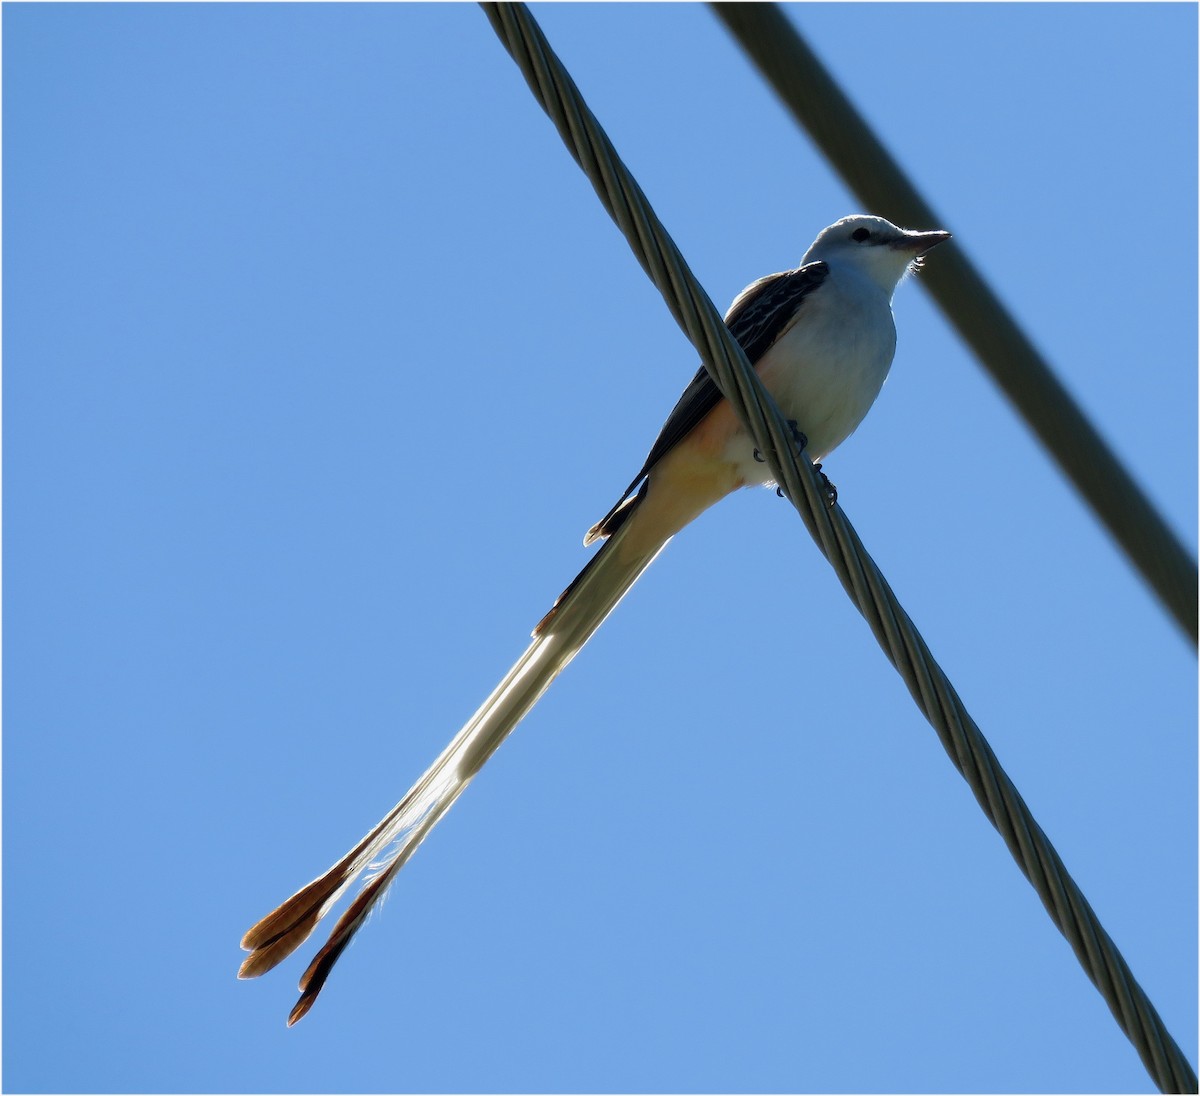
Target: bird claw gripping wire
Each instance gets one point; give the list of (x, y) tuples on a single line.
[(830, 490), (801, 440), (831, 494), (798, 436)]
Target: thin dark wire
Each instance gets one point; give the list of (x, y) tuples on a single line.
[(839, 131), (904, 647)]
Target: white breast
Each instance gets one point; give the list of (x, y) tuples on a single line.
[(827, 368)]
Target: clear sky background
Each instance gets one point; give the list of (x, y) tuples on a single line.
[(320, 356)]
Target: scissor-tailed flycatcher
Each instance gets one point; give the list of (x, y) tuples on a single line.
[(821, 338)]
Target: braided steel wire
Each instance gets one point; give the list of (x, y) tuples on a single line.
[(807, 89), (894, 631)]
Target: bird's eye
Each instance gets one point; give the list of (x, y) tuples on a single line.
[(860, 235)]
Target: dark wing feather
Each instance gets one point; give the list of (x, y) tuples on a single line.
[(756, 319)]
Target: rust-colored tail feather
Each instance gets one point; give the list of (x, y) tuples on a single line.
[(313, 979), (285, 928), (558, 638)]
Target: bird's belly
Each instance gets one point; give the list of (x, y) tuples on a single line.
[(825, 380)]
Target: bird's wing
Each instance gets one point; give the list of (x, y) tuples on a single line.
[(756, 319)]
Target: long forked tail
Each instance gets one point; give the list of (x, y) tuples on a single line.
[(557, 639)]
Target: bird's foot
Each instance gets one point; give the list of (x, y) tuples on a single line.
[(798, 436), (831, 495), (830, 490)]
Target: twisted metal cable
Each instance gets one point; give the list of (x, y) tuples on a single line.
[(821, 107), (894, 631)]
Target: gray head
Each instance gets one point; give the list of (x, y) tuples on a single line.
[(874, 246)]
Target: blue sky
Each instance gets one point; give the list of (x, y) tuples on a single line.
[(320, 356)]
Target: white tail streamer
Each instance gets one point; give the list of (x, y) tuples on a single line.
[(387, 848)]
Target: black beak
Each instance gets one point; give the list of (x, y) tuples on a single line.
[(920, 242)]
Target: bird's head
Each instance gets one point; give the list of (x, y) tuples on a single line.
[(877, 248)]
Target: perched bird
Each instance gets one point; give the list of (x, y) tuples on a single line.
[(821, 337)]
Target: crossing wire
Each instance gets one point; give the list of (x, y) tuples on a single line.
[(821, 107), (723, 357)]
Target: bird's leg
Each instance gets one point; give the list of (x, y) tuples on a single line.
[(830, 490), (831, 493), (801, 440), (798, 436)]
